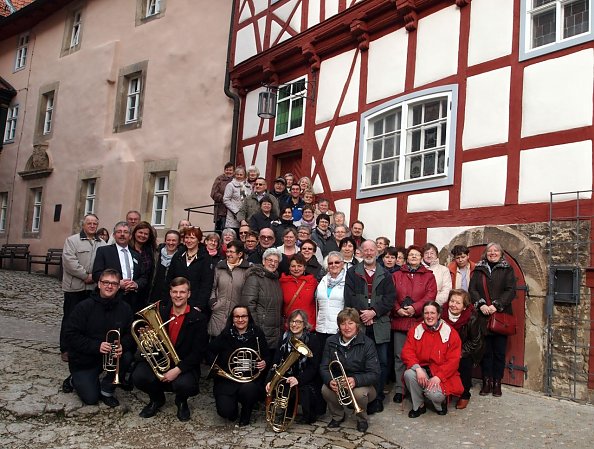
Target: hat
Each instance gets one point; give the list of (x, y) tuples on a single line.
[(281, 179)]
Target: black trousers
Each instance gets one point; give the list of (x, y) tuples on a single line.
[(185, 386), (89, 387), (465, 370), (71, 299), (493, 363), (228, 401)]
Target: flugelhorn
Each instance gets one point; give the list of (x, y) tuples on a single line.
[(241, 365), (345, 392), (111, 362)]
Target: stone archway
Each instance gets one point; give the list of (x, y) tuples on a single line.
[(530, 257)]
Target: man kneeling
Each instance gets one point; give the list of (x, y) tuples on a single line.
[(186, 328)]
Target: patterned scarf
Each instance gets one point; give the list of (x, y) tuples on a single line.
[(165, 258), (338, 280)]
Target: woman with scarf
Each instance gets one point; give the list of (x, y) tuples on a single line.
[(330, 295), (304, 373), (160, 290), (212, 242), (235, 192), (432, 354), (239, 332), (459, 313)]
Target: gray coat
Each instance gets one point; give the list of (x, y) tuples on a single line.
[(78, 257), (251, 205)]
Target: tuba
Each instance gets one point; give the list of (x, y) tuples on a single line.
[(345, 392), (280, 394), (153, 341), (241, 365), (111, 363)]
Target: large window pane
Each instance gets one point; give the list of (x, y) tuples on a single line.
[(576, 18), (543, 28)]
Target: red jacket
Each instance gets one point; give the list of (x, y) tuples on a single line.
[(440, 350), (420, 286), (305, 299)]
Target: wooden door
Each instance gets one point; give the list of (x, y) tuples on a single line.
[(514, 355), (289, 163)]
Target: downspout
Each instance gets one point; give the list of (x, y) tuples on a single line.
[(10, 6), (230, 93)]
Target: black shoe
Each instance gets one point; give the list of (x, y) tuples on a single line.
[(127, 386), (244, 422), (418, 412), (67, 385), (333, 424), (375, 406), (150, 409), (183, 411), (110, 401), (362, 426), (444, 409), (398, 398)]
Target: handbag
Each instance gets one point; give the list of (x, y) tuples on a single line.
[(499, 322)]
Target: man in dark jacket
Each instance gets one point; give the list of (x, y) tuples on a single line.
[(370, 290), (186, 328), (86, 334), (216, 193)]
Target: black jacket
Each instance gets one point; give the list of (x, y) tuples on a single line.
[(88, 325), (501, 285), (307, 372), (200, 273), (108, 257)]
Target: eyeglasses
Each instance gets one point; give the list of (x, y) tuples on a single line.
[(271, 260), (296, 322), (109, 284), (266, 237), (259, 184), (240, 317), (337, 262), (243, 232), (305, 248), (254, 242)]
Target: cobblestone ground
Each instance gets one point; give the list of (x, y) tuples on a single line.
[(34, 413)]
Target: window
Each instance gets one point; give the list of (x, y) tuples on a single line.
[(153, 7), (36, 218), (290, 109), (49, 113), (3, 210), (148, 10), (11, 123), (130, 97), (550, 25), (90, 196), (76, 27), (46, 113), (160, 197), (21, 54), (408, 143), (73, 29)]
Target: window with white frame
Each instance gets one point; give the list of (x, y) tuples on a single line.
[(90, 195), (21, 53), (290, 109), (160, 198), (3, 211), (153, 7), (130, 97), (76, 29), (133, 99), (549, 25), (11, 123), (36, 217), (408, 143), (48, 112), (149, 10)]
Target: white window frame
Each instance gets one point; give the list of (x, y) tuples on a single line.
[(11, 124), (3, 211), (160, 200), (48, 114), (133, 98), (37, 204), (153, 7), (76, 28), (21, 54), (527, 50), (404, 182), (90, 196), (293, 99)]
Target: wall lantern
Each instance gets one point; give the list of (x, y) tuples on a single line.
[(267, 100)]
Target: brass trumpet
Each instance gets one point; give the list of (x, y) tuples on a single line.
[(345, 392), (111, 362)]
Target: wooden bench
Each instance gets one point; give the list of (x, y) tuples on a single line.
[(53, 257), (14, 251)]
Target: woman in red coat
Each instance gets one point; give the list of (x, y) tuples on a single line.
[(299, 289), (432, 354), (415, 285)]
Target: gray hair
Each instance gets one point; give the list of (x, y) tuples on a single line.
[(213, 235), (340, 214), (121, 224), (303, 315), (496, 245), (272, 252), (87, 216), (253, 168), (239, 169), (229, 231), (332, 254)]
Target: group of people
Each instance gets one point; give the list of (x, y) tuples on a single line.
[(281, 268)]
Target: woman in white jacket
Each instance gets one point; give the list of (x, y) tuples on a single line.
[(330, 295), (443, 278), (235, 193)]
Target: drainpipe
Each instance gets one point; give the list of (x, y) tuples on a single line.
[(10, 6), (230, 93)]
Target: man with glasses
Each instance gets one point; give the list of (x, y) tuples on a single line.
[(266, 239), (244, 230), (251, 203), (86, 334)]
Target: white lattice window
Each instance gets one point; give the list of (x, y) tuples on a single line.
[(49, 112), (153, 7), (133, 99), (11, 124), (21, 53), (90, 196), (76, 29), (3, 210), (36, 218), (160, 198), (290, 108)]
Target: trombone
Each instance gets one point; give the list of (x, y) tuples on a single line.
[(111, 362), (345, 392)]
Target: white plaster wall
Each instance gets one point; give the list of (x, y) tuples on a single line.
[(338, 158), (387, 65), (248, 154), (491, 30), (409, 237), (558, 94), (559, 168), (245, 44), (437, 46), (331, 8), (486, 120), (334, 73), (379, 218), (259, 6), (320, 136), (262, 29), (244, 11), (313, 14), (484, 182), (286, 35), (251, 121), (442, 236), (428, 201), (344, 206), (262, 157), (275, 30)]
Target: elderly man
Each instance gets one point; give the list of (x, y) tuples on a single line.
[(251, 203), (133, 218), (217, 192), (266, 240), (126, 261), (370, 290), (77, 261)]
